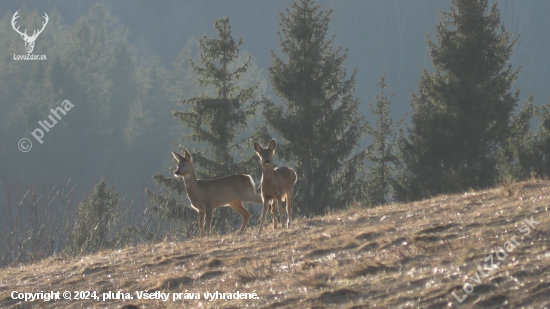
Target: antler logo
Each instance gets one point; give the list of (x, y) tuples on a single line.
[(29, 40)]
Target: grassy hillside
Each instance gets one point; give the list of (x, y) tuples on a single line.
[(411, 255)]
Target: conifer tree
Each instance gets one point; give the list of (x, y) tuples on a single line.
[(96, 218), (318, 121), (462, 112), (518, 156), (382, 150), (218, 119), (540, 150), (219, 113), (543, 145)]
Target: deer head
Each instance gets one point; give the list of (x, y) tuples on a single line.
[(185, 164), (266, 154), (29, 40)]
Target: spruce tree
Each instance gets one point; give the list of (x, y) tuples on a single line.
[(219, 113), (544, 140), (381, 153), (218, 120), (318, 123), (96, 219), (519, 154), (541, 158), (462, 112)]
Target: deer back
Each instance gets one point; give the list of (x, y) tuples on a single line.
[(224, 190)]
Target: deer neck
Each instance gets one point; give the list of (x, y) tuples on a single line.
[(268, 172), (191, 183)]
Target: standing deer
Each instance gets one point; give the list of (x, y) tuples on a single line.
[(207, 194), (277, 185)]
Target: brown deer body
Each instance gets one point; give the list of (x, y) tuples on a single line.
[(206, 195), (277, 185)]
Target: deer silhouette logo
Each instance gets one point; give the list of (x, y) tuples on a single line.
[(29, 40)]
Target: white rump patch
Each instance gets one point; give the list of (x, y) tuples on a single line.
[(251, 181)]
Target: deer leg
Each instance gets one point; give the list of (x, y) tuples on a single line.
[(264, 211), (288, 209), (238, 206), (274, 213), (280, 206), (208, 221), (201, 222)]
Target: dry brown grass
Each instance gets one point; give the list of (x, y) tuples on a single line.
[(401, 256)]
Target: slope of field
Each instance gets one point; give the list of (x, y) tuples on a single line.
[(411, 255)]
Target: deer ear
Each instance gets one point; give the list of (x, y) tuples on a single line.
[(176, 156), (187, 156), (272, 145), (258, 147)]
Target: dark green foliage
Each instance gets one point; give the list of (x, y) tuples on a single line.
[(218, 119), (463, 113), (519, 154), (543, 142), (96, 219), (217, 116), (318, 120), (382, 150), (529, 152)]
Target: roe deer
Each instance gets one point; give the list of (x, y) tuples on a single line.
[(207, 194), (277, 185)]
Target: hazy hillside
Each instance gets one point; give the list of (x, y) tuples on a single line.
[(401, 256)]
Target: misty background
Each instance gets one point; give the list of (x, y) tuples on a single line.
[(383, 37), (124, 65)]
